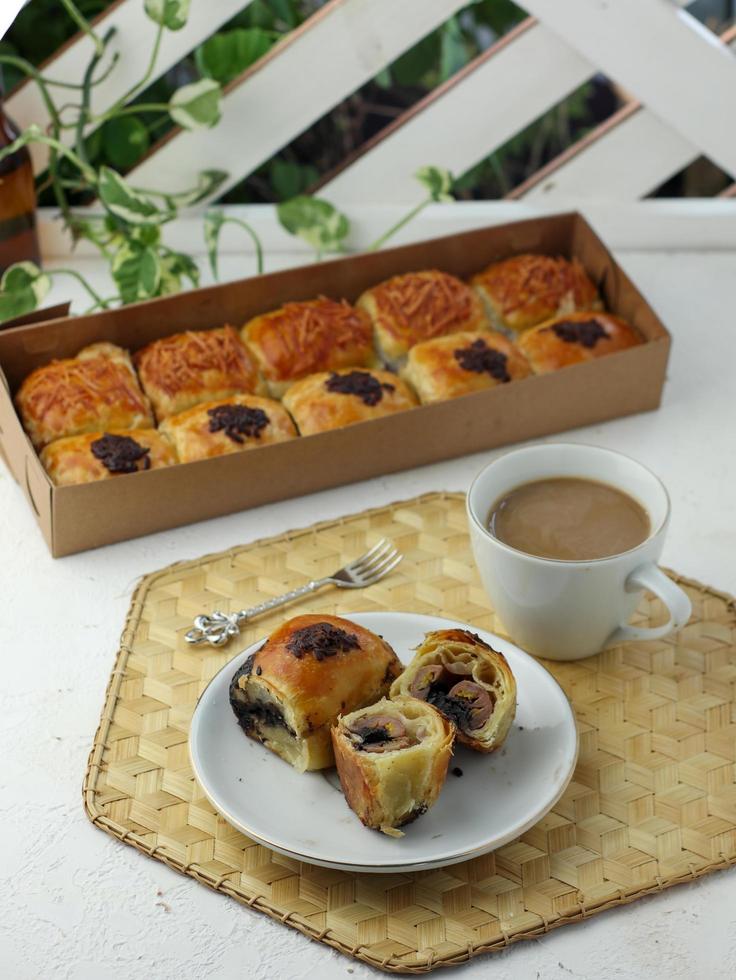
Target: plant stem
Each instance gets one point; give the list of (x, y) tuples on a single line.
[(139, 86), (83, 24), (105, 304), (84, 115), (256, 240), (379, 242)]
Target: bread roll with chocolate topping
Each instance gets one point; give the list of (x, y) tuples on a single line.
[(468, 681), (392, 760), (335, 399), (574, 339), (289, 693)]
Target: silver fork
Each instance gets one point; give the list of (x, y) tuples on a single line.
[(217, 628)]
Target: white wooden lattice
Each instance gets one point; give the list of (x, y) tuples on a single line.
[(680, 76)]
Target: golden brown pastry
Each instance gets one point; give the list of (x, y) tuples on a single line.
[(470, 683), (392, 760), (302, 338), (101, 455), (93, 391), (418, 306), (575, 338), (228, 426), (337, 398), (197, 366), (463, 363), (528, 289), (289, 693)]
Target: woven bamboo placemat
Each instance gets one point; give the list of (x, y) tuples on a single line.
[(652, 802)]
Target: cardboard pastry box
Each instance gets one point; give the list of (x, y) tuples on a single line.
[(74, 518)]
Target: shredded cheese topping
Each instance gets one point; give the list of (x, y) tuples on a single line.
[(175, 364), (538, 279), (422, 305), (303, 338)]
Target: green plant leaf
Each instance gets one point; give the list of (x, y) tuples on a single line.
[(453, 50), (226, 55), (289, 179), (213, 222), (136, 269), (124, 140), (169, 13), (207, 183), (437, 181), (22, 288), (198, 104), (174, 266), (123, 202), (316, 221)]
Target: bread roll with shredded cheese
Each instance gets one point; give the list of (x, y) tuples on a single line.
[(95, 391), (418, 306), (305, 337), (197, 366)]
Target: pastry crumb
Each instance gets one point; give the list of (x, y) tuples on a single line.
[(392, 832)]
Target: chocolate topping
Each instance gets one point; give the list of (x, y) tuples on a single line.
[(238, 421), (481, 358), (369, 389), (321, 640), (584, 332), (120, 454)]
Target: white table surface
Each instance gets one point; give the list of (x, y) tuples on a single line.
[(74, 903)]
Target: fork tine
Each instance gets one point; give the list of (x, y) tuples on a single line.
[(388, 566), (368, 567), (369, 557)]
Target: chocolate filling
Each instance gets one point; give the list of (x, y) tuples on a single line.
[(482, 359), (120, 454), (321, 640), (369, 389), (464, 702), (238, 421), (587, 333), (252, 715)]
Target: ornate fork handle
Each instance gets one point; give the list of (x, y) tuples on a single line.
[(218, 627)]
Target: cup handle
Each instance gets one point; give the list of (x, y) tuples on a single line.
[(651, 576)]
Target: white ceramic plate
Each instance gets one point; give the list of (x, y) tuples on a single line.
[(304, 815)]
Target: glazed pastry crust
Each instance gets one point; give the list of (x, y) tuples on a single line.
[(315, 408), (93, 391), (302, 338), (196, 433), (589, 334), (388, 789), (437, 369), (197, 366), (527, 289), (71, 460), (308, 692), (419, 306), (483, 666)]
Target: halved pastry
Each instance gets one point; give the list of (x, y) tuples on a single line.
[(470, 683), (301, 338), (290, 693), (228, 426), (463, 363), (392, 760), (418, 306), (527, 289), (575, 338), (197, 366), (101, 455), (95, 390), (337, 398)]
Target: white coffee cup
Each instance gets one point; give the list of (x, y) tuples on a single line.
[(567, 610)]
